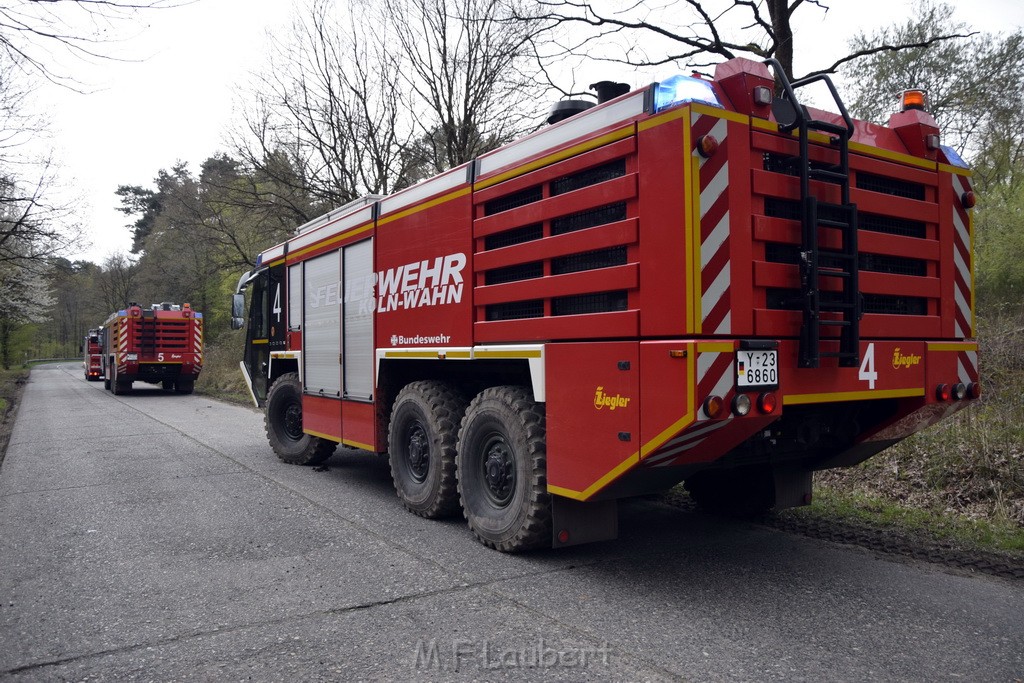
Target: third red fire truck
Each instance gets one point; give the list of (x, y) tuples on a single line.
[(92, 350), (700, 281)]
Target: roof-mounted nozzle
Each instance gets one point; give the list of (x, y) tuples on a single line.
[(609, 90), (562, 110)]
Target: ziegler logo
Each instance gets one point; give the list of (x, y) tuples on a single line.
[(421, 283), (901, 361), (603, 400)]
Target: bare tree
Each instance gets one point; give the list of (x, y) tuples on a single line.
[(697, 33), (329, 118), (32, 228), (466, 68), (38, 33)]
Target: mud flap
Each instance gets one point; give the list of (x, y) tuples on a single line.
[(574, 522), (792, 487)]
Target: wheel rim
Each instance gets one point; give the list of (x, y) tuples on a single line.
[(293, 421), (417, 446), (499, 470)]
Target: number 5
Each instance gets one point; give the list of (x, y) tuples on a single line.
[(160, 357), (867, 368)]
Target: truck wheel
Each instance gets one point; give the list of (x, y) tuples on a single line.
[(283, 421), (743, 492), (184, 386), (421, 443), (502, 470), (106, 379), (119, 386), (167, 385)]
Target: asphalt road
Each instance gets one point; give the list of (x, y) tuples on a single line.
[(156, 537)]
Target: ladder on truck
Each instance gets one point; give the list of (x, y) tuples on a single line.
[(837, 307)]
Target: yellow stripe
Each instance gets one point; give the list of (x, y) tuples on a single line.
[(276, 262), (946, 168), (260, 341), (666, 434), (619, 134), (892, 156), (462, 354), (944, 346), (673, 115), (346, 442), (717, 347), (322, 436), (691, 217), (974, 318), (645, 450), (330, 241), (506, 354), (798, 399), (707, 110), (461, 192), (682, 112), (283, 355)]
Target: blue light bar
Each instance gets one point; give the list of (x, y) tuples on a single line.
[(952, 157), (679, 89)]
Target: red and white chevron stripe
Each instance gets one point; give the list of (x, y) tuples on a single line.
[(962, 259), (122, 336), (967, 366), (714, 228)]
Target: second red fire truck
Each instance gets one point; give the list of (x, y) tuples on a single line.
[(162, 345), (700, 281)]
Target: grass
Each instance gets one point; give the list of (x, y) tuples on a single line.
[(861, 509)]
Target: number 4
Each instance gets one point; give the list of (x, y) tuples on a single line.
[(276, 310), (867, 368)]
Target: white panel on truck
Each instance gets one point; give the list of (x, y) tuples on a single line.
[(321, 338), (294, 300), (359, 304)]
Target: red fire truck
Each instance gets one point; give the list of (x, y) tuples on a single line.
[(700, 281), (162, 344), (92, 348)]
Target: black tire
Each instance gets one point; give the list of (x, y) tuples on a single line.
[(422, 435), (742, 492), (119, 386), (187, 386), (283, 421), (167, 385), (106, 378), (502, 470)]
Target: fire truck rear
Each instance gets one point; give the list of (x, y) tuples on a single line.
[(162, 345), (700, 281), (92, 348)]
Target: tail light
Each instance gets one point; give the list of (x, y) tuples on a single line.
[(767, 402), (713, 407), (741, 405)]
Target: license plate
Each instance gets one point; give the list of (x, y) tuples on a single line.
[(757, 369)]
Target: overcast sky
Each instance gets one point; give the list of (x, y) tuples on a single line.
[(176, 103)]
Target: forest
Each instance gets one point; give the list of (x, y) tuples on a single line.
[(341, 113)]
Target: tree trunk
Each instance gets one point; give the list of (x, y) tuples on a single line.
[(5, 343), (779, 12)]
